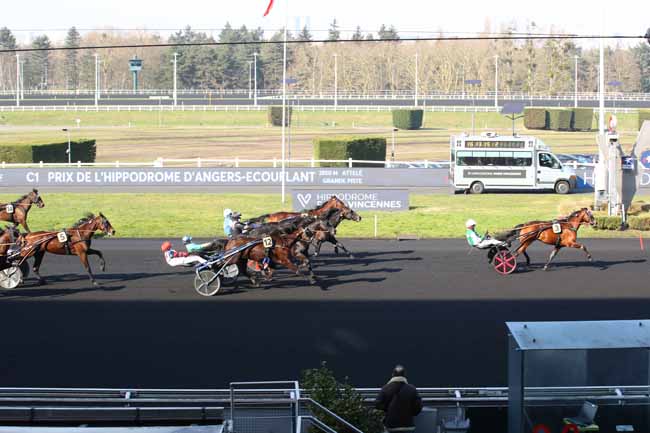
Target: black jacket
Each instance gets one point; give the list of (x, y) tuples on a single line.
[(401, 402)]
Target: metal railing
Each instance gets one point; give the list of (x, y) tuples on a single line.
[(343, 94), (291, 396), (243, 108), (230, 162)]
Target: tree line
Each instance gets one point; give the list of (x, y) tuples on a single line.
[(544, 66)]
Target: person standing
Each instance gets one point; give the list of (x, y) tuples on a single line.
[(400, 402)]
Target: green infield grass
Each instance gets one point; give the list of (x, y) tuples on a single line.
[(132, 136), (431, 215)]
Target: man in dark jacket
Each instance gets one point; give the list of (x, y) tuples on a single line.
[(400, 402)]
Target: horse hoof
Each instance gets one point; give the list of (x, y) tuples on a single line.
[(351, 256), (546, 268)]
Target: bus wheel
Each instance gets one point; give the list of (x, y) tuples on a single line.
[(562, 187), (477, 188)]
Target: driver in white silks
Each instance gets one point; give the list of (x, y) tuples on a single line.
[(475, 240), (179, 258)]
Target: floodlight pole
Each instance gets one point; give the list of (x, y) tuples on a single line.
[(96, 80), (576, 81), (416, 79), (17, 80), (255, 80), (250, 78), (496, 81), (175, 93), (69, 151), (284, 101), (336, 81)]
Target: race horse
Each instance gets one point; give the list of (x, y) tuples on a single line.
[(16, 212), (544, 231), (334, 218), (286, 249), (332, 203), (75, 240)]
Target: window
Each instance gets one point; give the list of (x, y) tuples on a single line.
[(547, 160), (494, 159)]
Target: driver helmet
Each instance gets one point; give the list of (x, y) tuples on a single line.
[(236, 215), (227, 212), (166, 246), (187, 239), (470, 223)]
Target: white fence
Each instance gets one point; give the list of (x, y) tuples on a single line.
[(241, 162), (342, 94), (237, 108)]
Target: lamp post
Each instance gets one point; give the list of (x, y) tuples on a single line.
[(496, 81), (17, 80), (416, 79), (96, 79), (250, 78), (68, 151), (472, 83), (576, 81), (336, 81), (392, 151), (255, 80), (175, 92)]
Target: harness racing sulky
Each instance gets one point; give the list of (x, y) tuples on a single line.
[(560, 233)]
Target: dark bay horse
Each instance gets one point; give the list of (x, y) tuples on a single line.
[(332, 203), (334, 218), (79, 238), (283, 253), (21, 208), (543, 231)]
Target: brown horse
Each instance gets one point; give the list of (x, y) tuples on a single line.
[(77, 242), (332, 203), (281, 254), (20, 208), (543, 231)]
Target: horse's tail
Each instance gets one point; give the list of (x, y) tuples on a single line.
[(508, 235)]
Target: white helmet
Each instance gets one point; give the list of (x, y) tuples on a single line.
[(227, 212), (470, 223)]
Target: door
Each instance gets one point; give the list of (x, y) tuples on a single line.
[(549, 170)]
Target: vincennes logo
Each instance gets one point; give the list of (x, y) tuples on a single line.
[(304, 199)]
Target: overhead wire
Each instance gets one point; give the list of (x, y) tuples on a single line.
[(328, 41)]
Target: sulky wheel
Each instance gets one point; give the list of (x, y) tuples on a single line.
[(207, 283), (505, 262), (11, 277)]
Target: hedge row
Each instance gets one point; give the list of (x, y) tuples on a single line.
[(81, 150), (274, 113), (408, 119), (614, 223), (559, 119), (342, 148), (643, 116)]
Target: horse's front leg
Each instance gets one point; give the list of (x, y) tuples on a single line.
[(341, 246), (83, 256), (38, 259), (102, 263), (582, 247), (550, 258)]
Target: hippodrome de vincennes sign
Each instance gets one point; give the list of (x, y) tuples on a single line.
[(151, 176), (357, 199)]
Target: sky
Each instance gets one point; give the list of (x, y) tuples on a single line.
[(412, 18)]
